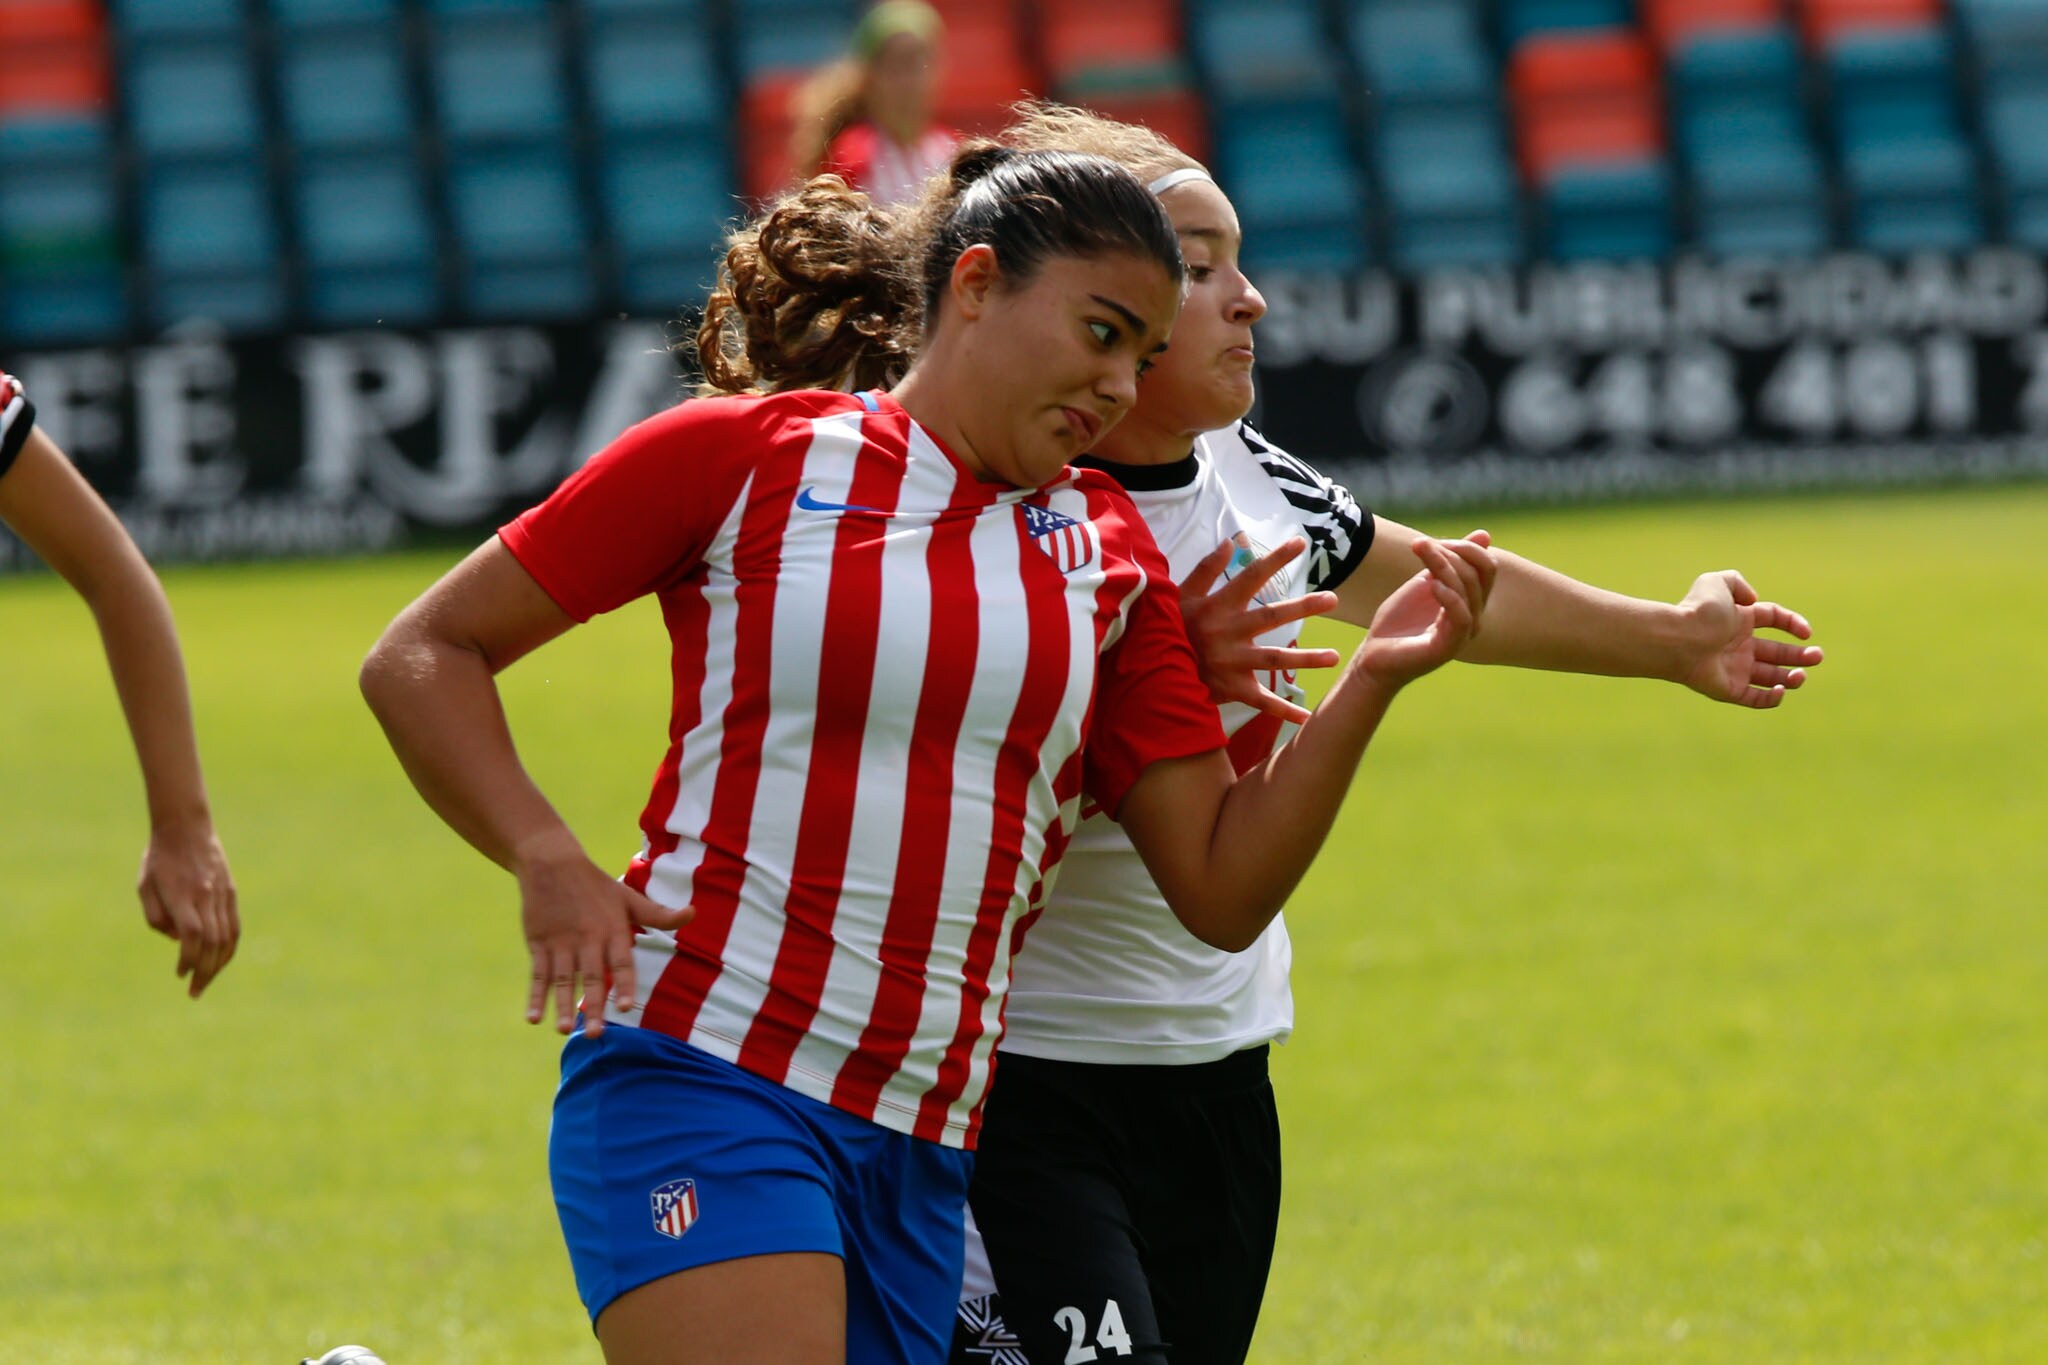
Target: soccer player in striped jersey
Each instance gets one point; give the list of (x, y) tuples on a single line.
[(909, 642), (1128, 1174), (187, 891)]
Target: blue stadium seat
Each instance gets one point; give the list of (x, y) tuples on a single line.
[(364, 211), (211, 245), (519, 224), (193, 99), (1267, 49), (346, 89), (663, 196), (327, 14), (1789, 227), (669, 207), (1521, 18), (1421, 51), (799, 39), (57, 137), (136, 20), (368, 241), (1609, 212), (500, 79), (208, 219), (57, 215), (1288, 163), (654, 72), (63, 309), (1450, 192)]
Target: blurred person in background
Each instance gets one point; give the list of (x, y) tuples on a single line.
[(868, 117), (186, 890), (1127, 1185)]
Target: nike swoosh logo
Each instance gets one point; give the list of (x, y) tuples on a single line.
[(809, 500)]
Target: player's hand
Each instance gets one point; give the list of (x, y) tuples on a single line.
[(1732, 663), (1425, 622), (1224, 626), (187, 894), (579, 933)]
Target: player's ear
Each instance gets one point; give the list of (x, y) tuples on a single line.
[(976, 276)]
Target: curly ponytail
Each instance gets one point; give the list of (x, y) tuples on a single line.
[(810, 297), (828, 291)]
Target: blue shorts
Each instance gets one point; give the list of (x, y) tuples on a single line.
[(665, 1158)]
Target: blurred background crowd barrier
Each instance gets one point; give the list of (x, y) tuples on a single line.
[(292, 276)]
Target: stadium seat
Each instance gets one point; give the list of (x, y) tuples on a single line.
[(1523, 19), (329, 14), (1585, 98), (1739, 125), (499, 78), (141, 20), (668, 206), (521, 234), (1673, 24), (1609, 212), (1450, 191), (368, 240), (1128, 48), (1908, 171), (63, 309), (345, 89), (1178, 115), (1268, 49), (801, 39), (1298, 194), (1421, 51), (193, 99), (1825, 22), (210, 241), (651, 71)]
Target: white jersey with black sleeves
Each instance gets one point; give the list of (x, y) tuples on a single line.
[(17, 417), (1107, 974)]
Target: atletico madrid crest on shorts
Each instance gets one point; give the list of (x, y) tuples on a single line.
[(1066, 540), (675, 1207)]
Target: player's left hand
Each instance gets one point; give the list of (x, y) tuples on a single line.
[(188, 895), (1425, 622), (1224, 626), (1734, 665)]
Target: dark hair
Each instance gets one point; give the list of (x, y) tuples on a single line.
[(827, 290)]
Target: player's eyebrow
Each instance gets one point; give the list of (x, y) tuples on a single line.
[(1137, 324)]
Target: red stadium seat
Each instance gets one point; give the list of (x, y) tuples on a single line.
[(1177, 115), (47, 81), (986, 70), (1823, 21), (53, 56), (1671, 23), (1085, 35), (1585, 97), (51, 23)]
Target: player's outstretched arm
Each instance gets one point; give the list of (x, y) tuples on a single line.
[(1539, 618), (1226, 854), (431, 682), (186, 890), (1224, 626)]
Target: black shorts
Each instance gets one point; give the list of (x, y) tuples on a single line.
[(1128, 1211)]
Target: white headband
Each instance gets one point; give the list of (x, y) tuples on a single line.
[(1179, 177)]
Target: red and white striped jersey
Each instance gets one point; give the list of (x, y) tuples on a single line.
[(886, 674), (17, 417), (888, 171)]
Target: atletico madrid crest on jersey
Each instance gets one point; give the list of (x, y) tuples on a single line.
[(1064, 539), (675, 1207)]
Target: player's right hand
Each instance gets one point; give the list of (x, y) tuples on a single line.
[(1224, 626), (579, 926)]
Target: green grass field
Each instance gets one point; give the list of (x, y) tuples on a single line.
[(1631, 1028)]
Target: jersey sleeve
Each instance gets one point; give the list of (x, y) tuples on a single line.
[(17, 418), (1339, 530), (1150, 701), (639, 516)]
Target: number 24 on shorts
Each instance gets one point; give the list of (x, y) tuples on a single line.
[(1110, 1335)]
